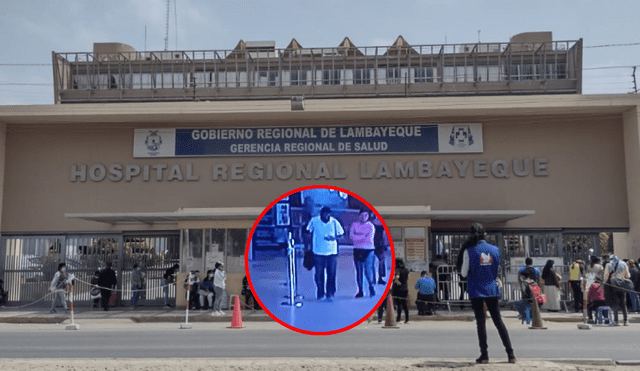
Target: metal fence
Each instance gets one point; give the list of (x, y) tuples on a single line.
[(452, 289), (407, 70), (29, 263)]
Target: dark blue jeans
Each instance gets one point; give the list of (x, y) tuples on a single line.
[(328, 263)]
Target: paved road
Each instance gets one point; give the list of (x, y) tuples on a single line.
[(123, 339)]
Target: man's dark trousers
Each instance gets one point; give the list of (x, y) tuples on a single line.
[(330, 264)]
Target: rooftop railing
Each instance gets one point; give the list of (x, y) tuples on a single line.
[(340, 72)]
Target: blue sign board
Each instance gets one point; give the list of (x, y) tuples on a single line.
[(309, 140)]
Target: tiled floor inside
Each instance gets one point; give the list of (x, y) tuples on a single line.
[(269, 277)]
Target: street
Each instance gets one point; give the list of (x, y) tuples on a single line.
[(439, 339)]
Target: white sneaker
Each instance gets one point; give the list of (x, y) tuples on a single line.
[(222, 313), (215, 314)]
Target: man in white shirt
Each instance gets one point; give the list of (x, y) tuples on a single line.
[(326, 230)]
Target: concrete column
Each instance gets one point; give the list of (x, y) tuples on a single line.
[(631, 122), (3, 141)]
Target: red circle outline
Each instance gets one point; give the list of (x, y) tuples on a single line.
[(248, 272)]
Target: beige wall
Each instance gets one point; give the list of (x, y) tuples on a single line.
[(586, 186)]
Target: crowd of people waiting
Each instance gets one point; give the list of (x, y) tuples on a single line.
[(609, 284)]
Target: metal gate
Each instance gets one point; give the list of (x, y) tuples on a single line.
[(154, 254), (86, 254), (29, 263), (568, 246)]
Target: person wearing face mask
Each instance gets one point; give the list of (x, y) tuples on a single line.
[(137, 284), (59, 288), (206, 291), (219, 285)]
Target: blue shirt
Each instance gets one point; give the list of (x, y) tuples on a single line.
[(484, 260), (426, 285), (536, 270)]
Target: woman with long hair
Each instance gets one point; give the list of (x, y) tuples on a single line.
[(595, 268), (551, 287), (480, 265), (401, 290)]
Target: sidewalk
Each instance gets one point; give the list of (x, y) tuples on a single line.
[(147, 314)]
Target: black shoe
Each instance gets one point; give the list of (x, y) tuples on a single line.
[(359, 294), (483, 359), (381, 282), (512, 358), (372, 291)]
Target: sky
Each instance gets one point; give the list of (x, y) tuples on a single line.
[(30, 30)]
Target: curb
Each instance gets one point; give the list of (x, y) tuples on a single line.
[(583, 361), (628, 363), (203, 318), (25, 320)]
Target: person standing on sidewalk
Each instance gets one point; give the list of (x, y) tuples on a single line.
[(576, 272), (107, 283), (401, 290), (4, 295), (168, 278), (617, 298), (480, 265), (219, 285), (95, 290), (635, 277), (137, 284), (59, 288), (551, 288)]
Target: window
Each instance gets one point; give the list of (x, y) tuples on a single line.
[(423, 74), (273, 78), (556, 71), (298, 77), (393, 75), (362, 77), (202, 248), (331, 77)]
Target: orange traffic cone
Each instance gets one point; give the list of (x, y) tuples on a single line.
[(390, 318), (236, 320), (536, 318)]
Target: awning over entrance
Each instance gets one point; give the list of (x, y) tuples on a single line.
[(244, 213)]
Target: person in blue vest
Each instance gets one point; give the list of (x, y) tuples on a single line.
[(480, 265)]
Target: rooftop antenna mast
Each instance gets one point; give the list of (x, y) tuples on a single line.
[(166, 34)]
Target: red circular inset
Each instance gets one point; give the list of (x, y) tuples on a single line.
[(255, 292)]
